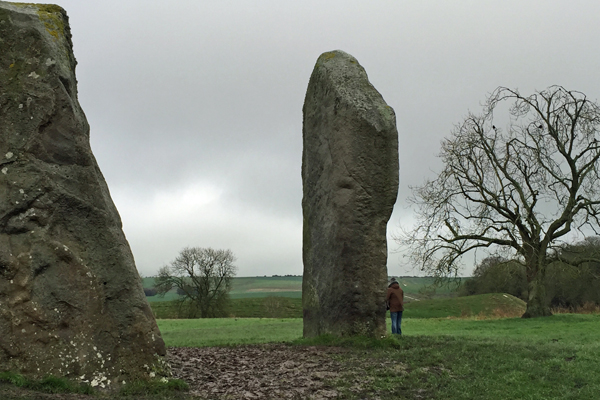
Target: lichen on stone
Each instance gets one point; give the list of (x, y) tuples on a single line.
[(51, 15)]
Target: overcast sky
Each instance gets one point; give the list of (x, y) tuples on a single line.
[(195, 106)]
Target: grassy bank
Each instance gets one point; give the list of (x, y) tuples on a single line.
[(491, 304)]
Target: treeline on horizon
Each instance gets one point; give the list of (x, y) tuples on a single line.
[(572, 278)]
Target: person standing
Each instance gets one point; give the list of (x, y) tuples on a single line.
[(395, 300)]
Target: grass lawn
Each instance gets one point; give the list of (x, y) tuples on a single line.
[(544, 358), (228, 331)]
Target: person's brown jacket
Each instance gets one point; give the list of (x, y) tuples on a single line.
[(395, 297)]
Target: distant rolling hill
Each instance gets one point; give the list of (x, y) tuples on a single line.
[(484, 306), (415, 288)]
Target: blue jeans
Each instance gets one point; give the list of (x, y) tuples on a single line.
[(396, 322)]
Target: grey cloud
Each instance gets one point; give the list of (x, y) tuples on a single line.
[(210, 93)]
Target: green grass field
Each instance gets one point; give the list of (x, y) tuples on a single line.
[(544, 358), (432, 317)]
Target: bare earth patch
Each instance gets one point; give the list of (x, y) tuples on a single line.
[(272, 371), (267, 371)]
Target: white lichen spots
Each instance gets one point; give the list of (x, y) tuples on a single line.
[(56, 309), (20, 105), (95, 348), (65, 248), (123, 382), (33, 75), (23, 331), (82, 377), (164, 380), (4, 170), (50, 62), (98, 355), (9, 155), (11, 281), (21, 191), (152, 374)]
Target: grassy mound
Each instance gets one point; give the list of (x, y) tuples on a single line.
[(484, 305)]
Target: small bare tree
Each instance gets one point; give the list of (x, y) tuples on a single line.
[(521, 189), (203, 276)]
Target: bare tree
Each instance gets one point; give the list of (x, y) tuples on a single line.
[(521, 189), (203, 276)]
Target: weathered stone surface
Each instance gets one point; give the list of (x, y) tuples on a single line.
[(71, 300), (350, 181)]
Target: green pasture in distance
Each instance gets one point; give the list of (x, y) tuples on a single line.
[(490, 304), (493, 304), (247, 307), (420, 285), (291, 286), (255, 283), (167, 297), (249, 295), (148, 282)]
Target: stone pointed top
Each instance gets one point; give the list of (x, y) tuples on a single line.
[(342, 73)]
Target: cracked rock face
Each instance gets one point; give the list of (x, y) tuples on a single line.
[(71, 300), (350, 185)]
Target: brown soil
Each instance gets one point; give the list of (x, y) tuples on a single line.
[(269, 371)]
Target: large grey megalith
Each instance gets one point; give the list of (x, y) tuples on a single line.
[(350, 185), (71, 299)]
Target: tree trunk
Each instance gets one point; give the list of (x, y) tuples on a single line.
[(537, 305)]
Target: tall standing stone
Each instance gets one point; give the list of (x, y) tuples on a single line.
[(350, 184), (71, 300)]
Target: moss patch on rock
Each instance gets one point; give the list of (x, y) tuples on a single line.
[(51, 15)]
